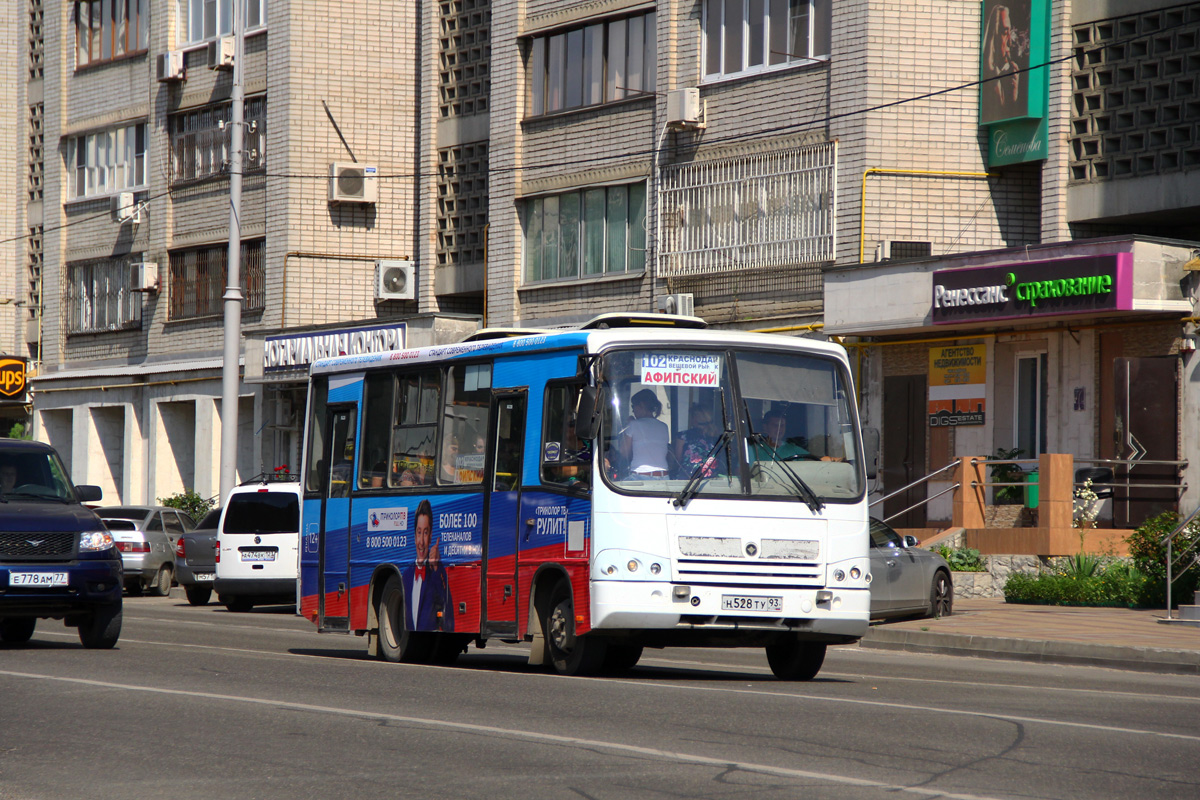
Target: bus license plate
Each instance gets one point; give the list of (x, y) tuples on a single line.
[(37, 579), (258, 555), (734, 602)]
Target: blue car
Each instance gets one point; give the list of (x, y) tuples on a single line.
[(57, 560)]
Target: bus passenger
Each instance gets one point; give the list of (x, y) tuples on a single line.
[(645, 440), (774, 430), (695, 443)]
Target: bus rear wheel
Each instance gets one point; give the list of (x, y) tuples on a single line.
[(570, 654), (796, 660), (397, 643)]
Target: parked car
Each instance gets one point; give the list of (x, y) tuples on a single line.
[(195, 559), (907, 580), (57, 560), (145, 536), (258, 544)]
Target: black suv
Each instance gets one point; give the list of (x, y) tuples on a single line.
[(57, 561)]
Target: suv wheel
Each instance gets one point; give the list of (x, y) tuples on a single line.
[(17, 631), (101, 630)]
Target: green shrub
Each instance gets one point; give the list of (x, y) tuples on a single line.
[(961, 559), (1080, 565), (1150, 558), (1117, 585), (189, 502)]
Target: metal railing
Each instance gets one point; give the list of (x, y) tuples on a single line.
[(1189, 552), (913, 485)]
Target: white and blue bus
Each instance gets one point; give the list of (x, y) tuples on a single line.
[(639, 482)]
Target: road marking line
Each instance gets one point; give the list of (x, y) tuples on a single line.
[(513, 733)]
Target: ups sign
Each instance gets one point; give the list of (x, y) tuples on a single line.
[(12, 379)]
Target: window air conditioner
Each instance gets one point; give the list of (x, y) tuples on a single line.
[(395, 280), (685, 109), (682, 304), (171, 66), (893, 250), (124, 208), (352, 183), (143, 276), (220, 53)]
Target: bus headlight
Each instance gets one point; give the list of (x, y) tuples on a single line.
[(839, 575), (855, 573), (655, 568), (610, 570), (632, 566)]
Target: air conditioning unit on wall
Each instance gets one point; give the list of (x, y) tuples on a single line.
[(143, 276), (395, 280), (221, 52), (171, 66), (353, 183), (683, 304)]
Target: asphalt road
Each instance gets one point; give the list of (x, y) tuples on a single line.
[(203, 703)]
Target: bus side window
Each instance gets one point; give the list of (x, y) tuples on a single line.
[(415, 430), (566, 460), (376, 430), (464, 424)]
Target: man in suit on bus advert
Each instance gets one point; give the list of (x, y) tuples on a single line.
[(426, 588)]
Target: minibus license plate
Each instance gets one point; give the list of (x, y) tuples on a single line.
[(37, 579), (258, 555), (733, 602)]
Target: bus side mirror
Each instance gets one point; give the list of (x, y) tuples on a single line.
[(870, 439), (587, 412)]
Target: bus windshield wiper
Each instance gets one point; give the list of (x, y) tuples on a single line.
[(693, 483), (806, 493)]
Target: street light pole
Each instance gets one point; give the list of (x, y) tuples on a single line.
[(230, 377)]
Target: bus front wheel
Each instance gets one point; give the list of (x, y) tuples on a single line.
[(570, 654), (796, 660), (397, 643)]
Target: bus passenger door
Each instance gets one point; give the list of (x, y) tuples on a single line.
[(502, 508), (333, 568)]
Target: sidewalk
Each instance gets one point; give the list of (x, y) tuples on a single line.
[(1118, 638)]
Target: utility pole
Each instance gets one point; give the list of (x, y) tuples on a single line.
[(230, 375)]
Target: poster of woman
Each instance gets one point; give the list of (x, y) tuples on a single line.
[(1004, 61)]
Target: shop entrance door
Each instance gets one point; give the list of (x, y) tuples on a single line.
[(1146, 406), (904, 420)]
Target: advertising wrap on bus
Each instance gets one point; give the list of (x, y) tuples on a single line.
[(449, 500)]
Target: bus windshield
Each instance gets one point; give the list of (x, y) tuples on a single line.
[(730, 423)]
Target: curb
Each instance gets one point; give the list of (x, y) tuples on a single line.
[(1140, 659)]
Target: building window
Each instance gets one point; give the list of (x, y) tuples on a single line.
[(743, 36), (200, 140), (108, 161), (108, 29), (771, 209), (198, 279), (591, 65), (208, 19), (581, 234), (99, 296)]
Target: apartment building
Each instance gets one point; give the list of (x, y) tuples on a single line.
[(122, 274), (774, 165)]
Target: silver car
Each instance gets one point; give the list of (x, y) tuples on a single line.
[(906, 580), (145, 537)]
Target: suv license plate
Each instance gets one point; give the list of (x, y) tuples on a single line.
[(37, 579), (258, 555), (735, 602)]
